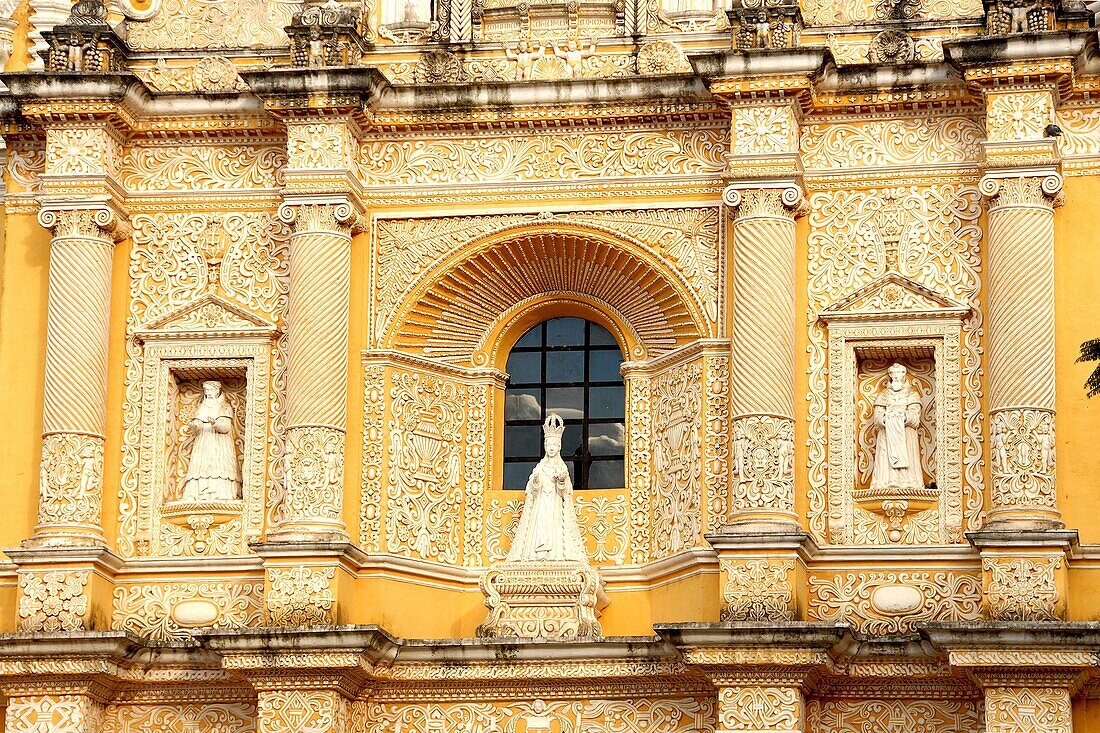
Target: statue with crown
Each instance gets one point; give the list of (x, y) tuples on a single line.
[(546, 587)]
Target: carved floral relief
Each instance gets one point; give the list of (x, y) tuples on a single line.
[(638, 715), (512, 158), (209, 717), (176, 610), (677, 401), (894, 602), (206, 24), (202, 167), (426, 438), (943, 716)]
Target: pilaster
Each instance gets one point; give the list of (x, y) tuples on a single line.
[(321, 111), (86, 118), (1028, 676), (762, 671), (761, 544), (64, 707), (765, 90), (304, 681), (1023, 547)]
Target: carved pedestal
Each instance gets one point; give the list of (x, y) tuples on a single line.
[(763, 575), (557, 600), (1025, 575)]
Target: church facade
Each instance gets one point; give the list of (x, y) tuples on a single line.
[(549, 366)]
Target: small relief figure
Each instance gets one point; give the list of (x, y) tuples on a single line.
[(998, 450), (525, 58), (410, 15), (213, 473), (786, 457), (739, 451), (574, 56), (897, 450), (316, 49), (334, 466), (89, 475), (548, 528), (1046, 449), (762, 33)]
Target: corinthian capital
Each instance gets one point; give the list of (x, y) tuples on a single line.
[(772, 199)]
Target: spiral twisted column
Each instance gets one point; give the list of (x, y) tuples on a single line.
[(763, 333), (74, 414), (1021, 350), (317, 333)]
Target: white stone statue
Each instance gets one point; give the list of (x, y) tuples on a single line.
[(548, 528), (213, 473), (897, 450)]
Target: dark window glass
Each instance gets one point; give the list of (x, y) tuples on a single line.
[(568, 366)]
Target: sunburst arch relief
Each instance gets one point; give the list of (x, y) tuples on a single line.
[(461, 305)]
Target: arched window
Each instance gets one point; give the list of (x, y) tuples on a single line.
[(568, 366)]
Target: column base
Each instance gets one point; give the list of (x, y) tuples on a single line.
[(308, 583), (1024, 573), (64, 588), (763, 567)]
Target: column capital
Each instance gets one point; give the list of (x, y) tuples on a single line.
[(751, 199), (324, 212), (1031, 186), (95, 219)]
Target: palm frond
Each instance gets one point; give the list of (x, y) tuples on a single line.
[(1090, 351)]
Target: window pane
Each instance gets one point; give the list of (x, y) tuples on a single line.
[(574, 471), (531, 338), (605, 402), (600, 336), (605, 475), (516, 475), (568, 402), (552, 370), (522, 404), (564, 366), (565, 332), (606, 440), (571, 442), (522, 441), (525, 367), (603, 366)]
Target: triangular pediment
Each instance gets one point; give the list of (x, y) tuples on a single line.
[(894, 294), (210, 313)]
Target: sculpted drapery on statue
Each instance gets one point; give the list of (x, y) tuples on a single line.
[(548, 527), (546, 588), (213, 473), (897, 451)]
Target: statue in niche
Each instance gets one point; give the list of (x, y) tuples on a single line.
[(897, 449), (548, 528), (213, 473), (405, 12), (689, 6)]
